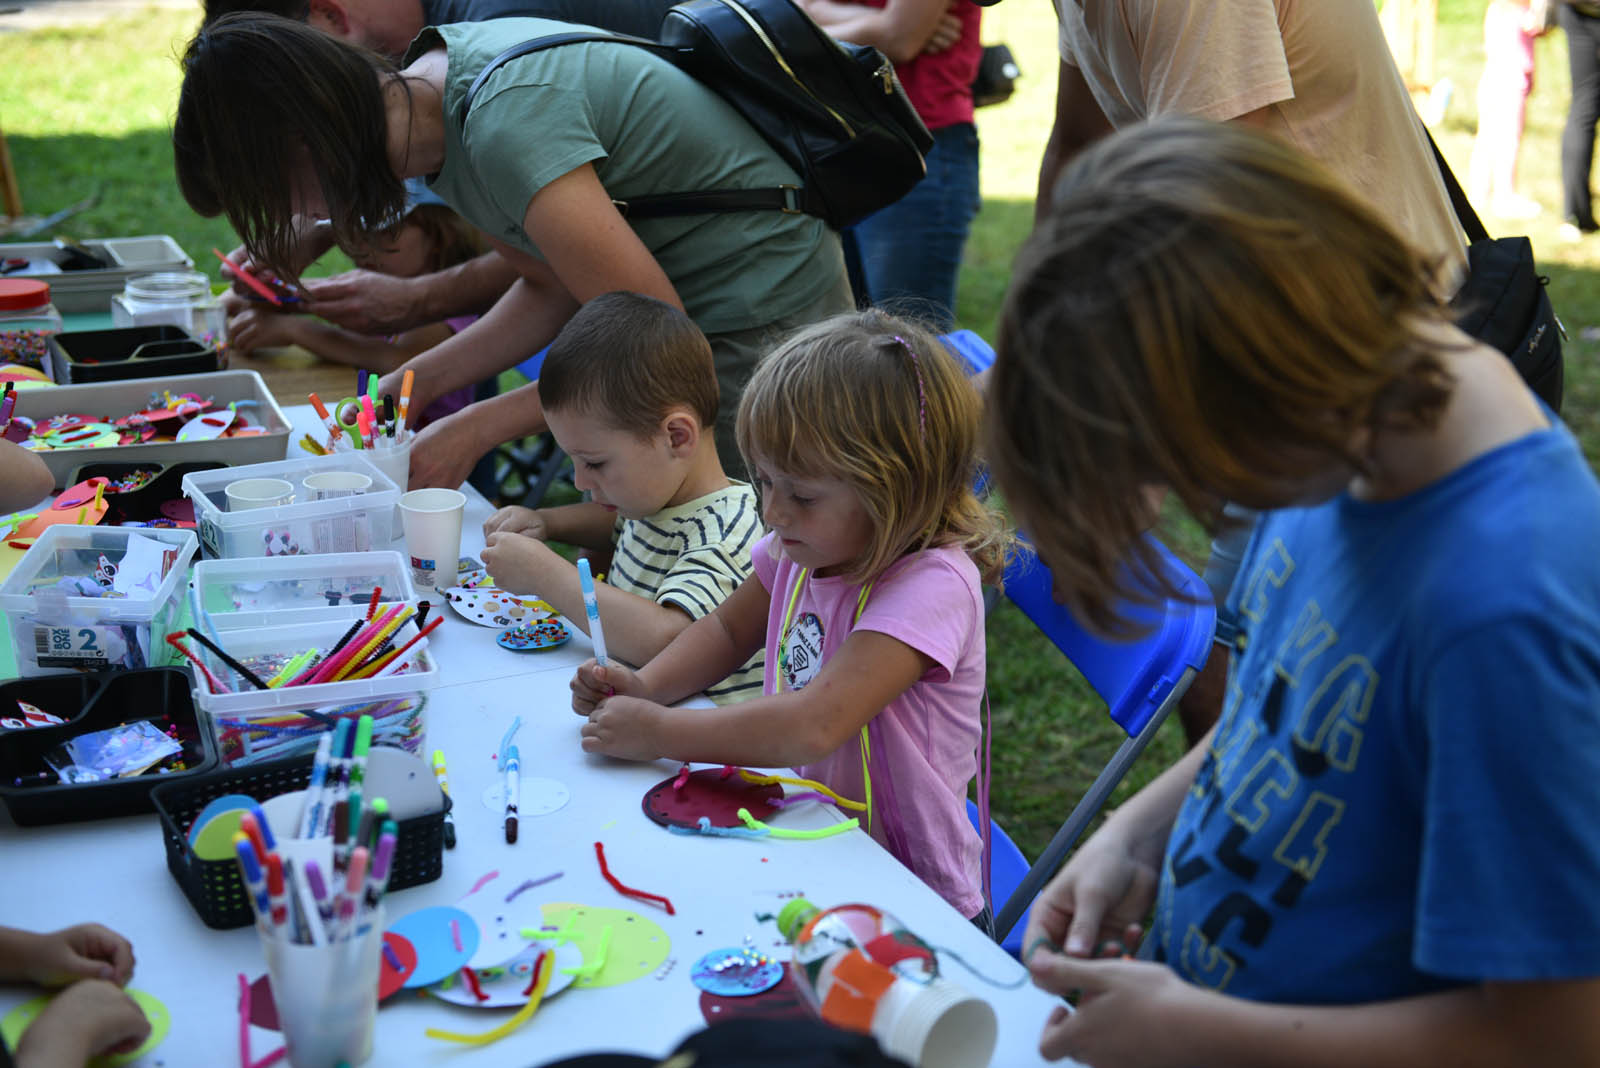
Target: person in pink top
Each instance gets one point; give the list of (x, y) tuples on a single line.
[(861, 433)]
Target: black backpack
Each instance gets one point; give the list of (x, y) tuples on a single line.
[(835, 112)]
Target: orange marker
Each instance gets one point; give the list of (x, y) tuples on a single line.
[(334, 433), (406, 382)]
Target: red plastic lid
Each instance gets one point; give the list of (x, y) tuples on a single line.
[(19, 293)]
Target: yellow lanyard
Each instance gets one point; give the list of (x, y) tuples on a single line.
[(783, 644)]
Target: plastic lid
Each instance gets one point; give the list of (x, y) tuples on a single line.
[(19, 293)]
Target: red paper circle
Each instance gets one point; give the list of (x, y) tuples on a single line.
[(391, 978)]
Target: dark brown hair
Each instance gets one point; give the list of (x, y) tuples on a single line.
[(261, 92), (451, 239), (628, 360), (1204, 310), (299, 10), (880, 404)]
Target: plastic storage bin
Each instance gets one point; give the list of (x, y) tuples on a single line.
[(116, 399), (131, 352), (251, 726), (159, 501), (159, 695), (214, 887), (91, 290), (336, 587), (28, 321), (357, 523), (54, 631)]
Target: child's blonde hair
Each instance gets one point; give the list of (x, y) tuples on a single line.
[(881, 405), (1207, 310)]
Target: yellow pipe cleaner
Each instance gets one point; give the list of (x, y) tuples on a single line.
[(783, 832), (812, 784), (522, 1016)]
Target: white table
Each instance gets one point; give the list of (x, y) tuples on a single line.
[(114, 871)]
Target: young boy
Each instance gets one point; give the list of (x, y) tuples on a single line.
[(1386, 852), (630, 392)]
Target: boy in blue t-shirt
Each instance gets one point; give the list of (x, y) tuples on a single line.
[(1387, 852)]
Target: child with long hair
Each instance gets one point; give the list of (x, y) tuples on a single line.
[(861, 434), (1385, 852), (429, 238), (1509, 29)]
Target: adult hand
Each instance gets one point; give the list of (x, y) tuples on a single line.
[(513, 560), (90, 1017), (1126, 1016), (258, 327), (445, 451), (593, 684), (945, 34), (516, 519), (623, 727), (85, 951), (364, 301), (1102, 893)]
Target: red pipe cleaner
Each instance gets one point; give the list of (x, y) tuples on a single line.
[(538, 966), (625, 891), (683, 777), (473, 984)]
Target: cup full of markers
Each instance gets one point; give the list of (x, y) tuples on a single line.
[(318, 900)]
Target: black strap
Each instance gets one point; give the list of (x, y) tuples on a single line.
[(790, 199), (1458, 198)]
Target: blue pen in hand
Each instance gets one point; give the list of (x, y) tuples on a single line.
[(591, 608)]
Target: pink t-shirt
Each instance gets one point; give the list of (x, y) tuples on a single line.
[(925, 742)]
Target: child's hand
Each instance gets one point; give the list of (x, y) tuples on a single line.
[(257, 328), (88, 1018), (593, 684), (1103, 892), (87, 951), (516, 561), (1124, 1015), (624, 727), (517, 520)]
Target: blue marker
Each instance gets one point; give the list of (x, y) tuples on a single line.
[(513, 792), (255, 881), (591, 608)]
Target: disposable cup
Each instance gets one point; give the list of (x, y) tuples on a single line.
[(327, 995), (331, 485), (432, 522), (935, 1024), (248, 493)]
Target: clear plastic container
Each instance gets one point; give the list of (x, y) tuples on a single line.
[(55, 629), (282, 590), (361, 522), (181, 298), (28, 320)]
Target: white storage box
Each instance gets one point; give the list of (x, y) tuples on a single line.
[(252, 725), (357, 523), (55, 630), (75, 292), (280, 590), (117, 399)]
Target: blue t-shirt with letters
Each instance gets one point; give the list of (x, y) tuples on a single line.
[(1403, 792)]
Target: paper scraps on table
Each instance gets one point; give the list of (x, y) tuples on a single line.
[(18, 1019), (27, 717), (490, 606), (530, 637), (505, 985), (618, 946), (535, 796), (445, 939), (736, 972)]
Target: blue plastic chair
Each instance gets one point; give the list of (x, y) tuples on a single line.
[(1140, 681), (1007, 867)]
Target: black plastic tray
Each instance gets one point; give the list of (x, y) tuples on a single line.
[(107, 699), (142, 504), (128, 352)]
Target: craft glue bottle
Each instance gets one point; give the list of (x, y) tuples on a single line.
[(862, 970)]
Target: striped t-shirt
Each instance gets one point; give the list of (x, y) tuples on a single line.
[(692, 556)]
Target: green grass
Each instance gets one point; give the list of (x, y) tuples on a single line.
[(91, 108)]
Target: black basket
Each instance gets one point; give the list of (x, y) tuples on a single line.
[(143, 504), (90, 703), (214, 887), (128, 352)]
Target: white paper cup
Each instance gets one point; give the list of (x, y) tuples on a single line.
[(935, 1025), (331, 485), (432, 522), (248, 493), (327, 996)]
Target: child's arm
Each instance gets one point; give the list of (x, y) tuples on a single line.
[(636, 628), (24, 478), (1133, 1014), (586, 525), (788, 729), (84, 951)]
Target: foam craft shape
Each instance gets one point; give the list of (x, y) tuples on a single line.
[(404, 780), (390, 978), (708, 794), (637, 947), (783, 1002), (263, 1009), (490, 606), (17, 1020), (206, 427), (505, 984), (27, 717), (428, 930), (231, 805), (65, 508), (736, 972)]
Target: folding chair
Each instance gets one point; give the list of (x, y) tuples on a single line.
[(1140, 681), (1007, 866)]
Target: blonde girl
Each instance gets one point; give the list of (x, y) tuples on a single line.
[(860, 432)]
